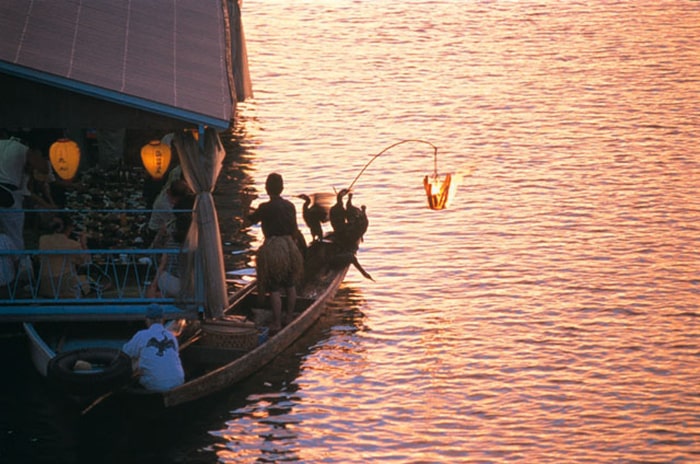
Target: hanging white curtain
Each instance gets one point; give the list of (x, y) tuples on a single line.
[(201, 168)]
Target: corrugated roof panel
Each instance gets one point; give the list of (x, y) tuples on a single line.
[(99, 45), (167, 52), (189, 59), (149, 69), (12, 16), (47, 38)]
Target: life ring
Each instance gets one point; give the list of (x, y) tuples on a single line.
[(98, 370)]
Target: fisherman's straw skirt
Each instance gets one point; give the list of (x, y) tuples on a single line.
[(279, 264)]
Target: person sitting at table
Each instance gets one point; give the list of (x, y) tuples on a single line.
[(167, 280), (59, 272), (161, 222), (17, 161), (7, 263)]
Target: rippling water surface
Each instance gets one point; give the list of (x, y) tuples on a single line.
[(550, 315)]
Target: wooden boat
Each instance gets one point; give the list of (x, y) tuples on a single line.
[(215, 353)]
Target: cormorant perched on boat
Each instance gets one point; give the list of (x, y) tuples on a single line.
[(357, 221), (337, 213), (313, 216), (352, 212), (364, 222)]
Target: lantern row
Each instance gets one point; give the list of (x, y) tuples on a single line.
[(64, 155)]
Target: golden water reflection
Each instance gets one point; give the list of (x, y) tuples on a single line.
[(550, 313)]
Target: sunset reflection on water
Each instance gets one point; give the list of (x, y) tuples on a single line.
[(549, 314)]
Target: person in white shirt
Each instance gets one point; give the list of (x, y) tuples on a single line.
[(155, 354), (16, 164)]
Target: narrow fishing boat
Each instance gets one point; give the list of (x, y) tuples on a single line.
[(76, 333), (83, 358), (228, 350)]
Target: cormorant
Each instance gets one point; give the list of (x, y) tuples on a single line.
[(313, 216), (352, 212), (337, 213), (357, 220), (364, 222)]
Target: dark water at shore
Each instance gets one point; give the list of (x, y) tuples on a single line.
[(40, 426)]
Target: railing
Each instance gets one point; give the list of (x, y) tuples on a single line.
[(112, 284)]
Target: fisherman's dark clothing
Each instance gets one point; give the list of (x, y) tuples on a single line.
[(278, 217), (279, 260)]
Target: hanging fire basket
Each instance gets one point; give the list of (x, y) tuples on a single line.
[(437, 190)]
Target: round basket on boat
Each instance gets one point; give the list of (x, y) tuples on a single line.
[(230, 336)]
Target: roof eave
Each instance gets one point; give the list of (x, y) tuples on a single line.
[(131, 101)]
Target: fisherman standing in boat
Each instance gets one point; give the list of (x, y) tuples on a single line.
[(155, 354), (279, 260)]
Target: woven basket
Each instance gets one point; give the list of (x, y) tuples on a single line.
[(230, 336)]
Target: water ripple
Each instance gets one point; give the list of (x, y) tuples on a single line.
[(550, 314)]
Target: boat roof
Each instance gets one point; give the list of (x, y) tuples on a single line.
[(116, 63)]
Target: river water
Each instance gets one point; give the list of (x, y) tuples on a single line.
[(548, 315)]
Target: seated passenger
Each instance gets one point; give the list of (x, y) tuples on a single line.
[(167, 280), (162, 219), (7, 263), (59, 273), (155, 354), (16, 162)]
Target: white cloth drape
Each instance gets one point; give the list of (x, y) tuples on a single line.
[(201, 168)]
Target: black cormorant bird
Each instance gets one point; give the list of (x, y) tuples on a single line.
[(352, 212), (337, 213), (357, 221), (364, 222), (313, 216)]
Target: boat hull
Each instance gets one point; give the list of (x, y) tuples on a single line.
[(254, 360), (209, 367), (40, 353)]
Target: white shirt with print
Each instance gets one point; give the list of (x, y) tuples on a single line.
[(157, 353)]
